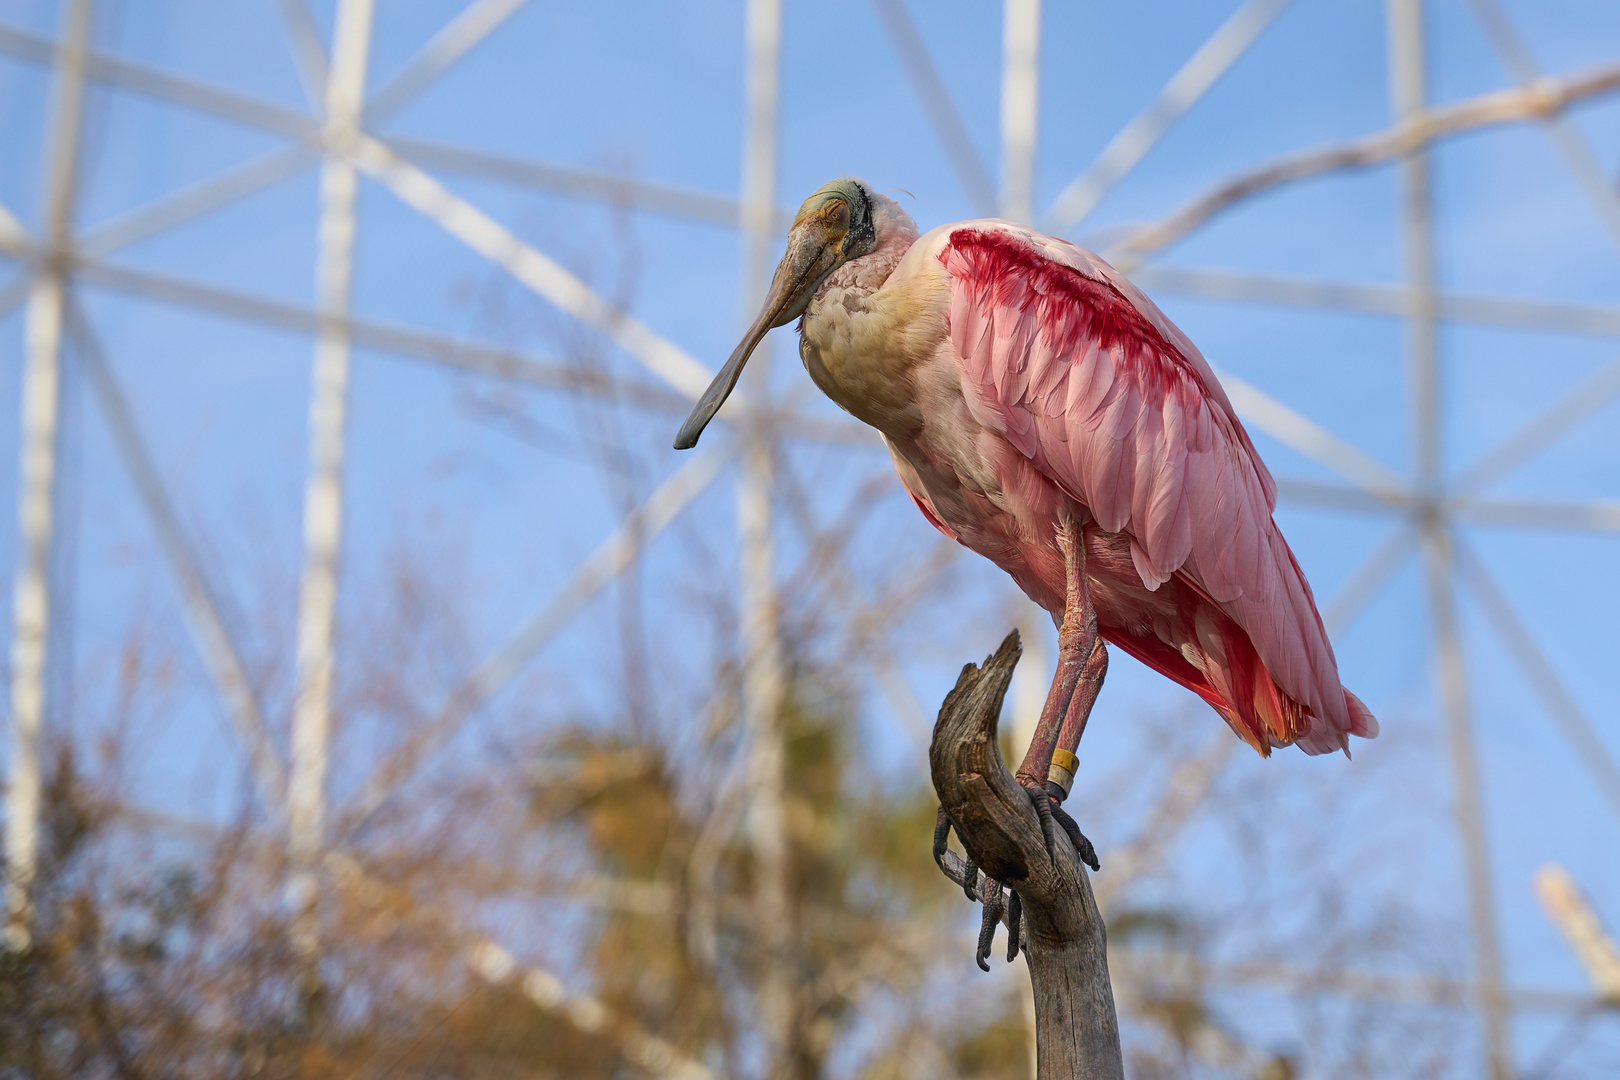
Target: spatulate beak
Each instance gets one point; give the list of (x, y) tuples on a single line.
[(811, 255)]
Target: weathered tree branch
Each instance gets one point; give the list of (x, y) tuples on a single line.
[(1064, 942)]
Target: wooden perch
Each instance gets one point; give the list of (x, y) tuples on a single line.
[(1076, 1030)]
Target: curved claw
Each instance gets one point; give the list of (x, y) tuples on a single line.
[(1043, 810), (1015, 912), (1088, 853), (942, 833), (987, 925)]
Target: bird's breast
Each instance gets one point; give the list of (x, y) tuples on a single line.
[(862, 349)]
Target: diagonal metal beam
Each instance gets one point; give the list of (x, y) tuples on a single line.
[(1566, 713), (148, 81), (1201, 71), (198, 199), (13, 236), (1368, 580), (1586, 400), (936, 101), (610, 559), (1599, 515), (308, 53), (470, 355), (681, 202), (459, 37), (1329, 496), (1374, 298), (1584, 165), (1291, 428), (545, 277), (219, 652)]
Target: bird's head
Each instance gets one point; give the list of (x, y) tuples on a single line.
[(835, 225)]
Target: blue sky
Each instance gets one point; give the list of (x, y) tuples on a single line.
[(654, 91)]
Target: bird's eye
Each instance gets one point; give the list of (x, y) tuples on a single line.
[(838, 210)]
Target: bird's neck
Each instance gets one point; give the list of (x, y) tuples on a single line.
[(853, 337)]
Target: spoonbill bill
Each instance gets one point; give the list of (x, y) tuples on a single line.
[(1043, 412)]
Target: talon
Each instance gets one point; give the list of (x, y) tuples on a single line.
[(987, 925), (1043, 810), (1088, 853), (942, 833), (970, 879), (1015, 912)]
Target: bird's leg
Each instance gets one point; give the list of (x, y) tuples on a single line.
[(1049, 766), (1060, 779), (1076, 631)]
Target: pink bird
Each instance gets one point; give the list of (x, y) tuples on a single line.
[(1044, 413)]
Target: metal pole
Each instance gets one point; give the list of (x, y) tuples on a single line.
[(1488, 984), (323, 492), (36, 486), (763, 680), (1408, 92), (1020, 100)]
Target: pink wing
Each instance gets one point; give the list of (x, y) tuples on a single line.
[(1079, 371)]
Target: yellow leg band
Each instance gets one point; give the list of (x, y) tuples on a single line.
[(1062, 770)]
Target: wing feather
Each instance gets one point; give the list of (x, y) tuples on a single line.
[(1078, 370)]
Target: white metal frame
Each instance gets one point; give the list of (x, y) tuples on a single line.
[(1429, 511)]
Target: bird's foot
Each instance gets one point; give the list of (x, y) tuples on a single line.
[(977, 885), (1050, 811)]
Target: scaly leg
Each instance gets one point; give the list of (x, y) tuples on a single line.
[(1064, 761), (1060, 780), (1077, 632)]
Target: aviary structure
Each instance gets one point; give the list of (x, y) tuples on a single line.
[(1044, 413)]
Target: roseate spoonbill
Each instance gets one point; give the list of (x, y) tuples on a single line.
[(1044, 413)]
